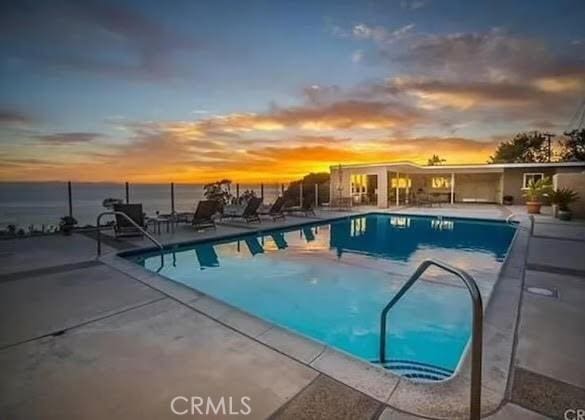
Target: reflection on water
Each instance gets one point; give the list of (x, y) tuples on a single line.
[(441, 224), (400, 222), (331, 281)]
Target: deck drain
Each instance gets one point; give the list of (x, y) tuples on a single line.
[(543, 291)]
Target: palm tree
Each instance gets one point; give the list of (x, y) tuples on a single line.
[(435, 160)]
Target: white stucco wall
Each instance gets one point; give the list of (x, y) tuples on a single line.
[(575, 182)]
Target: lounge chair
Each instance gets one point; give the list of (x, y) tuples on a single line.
[(254, 246), (203, 216), (206, 256), (279, 240), (123, 228), (275, 211), (249, 212), (306, 209)]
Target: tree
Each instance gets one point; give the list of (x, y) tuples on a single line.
[(291, 195), (435, 160), (219, 191), (523, 148), (573, 146)]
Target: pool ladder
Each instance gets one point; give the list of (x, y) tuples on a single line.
[(477, 326), (133, 223), (530, 217)]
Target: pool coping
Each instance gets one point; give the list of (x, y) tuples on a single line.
[(446, 399)]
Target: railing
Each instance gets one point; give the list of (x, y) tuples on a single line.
[(476, 332), (530, 216), (133, 223)]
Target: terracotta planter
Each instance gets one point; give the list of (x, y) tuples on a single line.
[(533, 207)]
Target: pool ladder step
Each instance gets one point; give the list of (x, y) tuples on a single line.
[(416, 370)]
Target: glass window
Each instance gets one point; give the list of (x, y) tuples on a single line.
[(359, 184), (440, 182), (401, 182), (530, 178)]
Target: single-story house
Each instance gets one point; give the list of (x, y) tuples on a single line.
[(398, 183)]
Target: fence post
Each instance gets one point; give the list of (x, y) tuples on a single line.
[(172, 198), (70, 199), (127, 193), (262, 192), (301, 194), (237, 191), (316, 195)]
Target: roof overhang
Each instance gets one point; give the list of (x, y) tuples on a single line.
[(407, 167)]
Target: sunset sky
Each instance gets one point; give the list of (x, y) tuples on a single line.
[(192, 91)]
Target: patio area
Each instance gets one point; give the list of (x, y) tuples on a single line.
[(82, 338)]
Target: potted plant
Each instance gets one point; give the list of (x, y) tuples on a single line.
[(508, 200), (67, 224), (534, 194), (562, 198)]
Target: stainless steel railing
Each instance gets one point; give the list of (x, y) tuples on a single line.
[(133, 223), (476, 332), (530, 216)]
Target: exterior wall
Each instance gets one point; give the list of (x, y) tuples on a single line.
[(483, 183), (513, 178), (575, 182), (340, 185), (480, 187)]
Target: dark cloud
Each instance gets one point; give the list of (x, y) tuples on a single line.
[(100, 37), (67, 138), (12, 117)]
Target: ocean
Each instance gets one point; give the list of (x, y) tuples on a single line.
[(44, 203)]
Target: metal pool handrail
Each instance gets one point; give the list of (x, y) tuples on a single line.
[(133, 223), (530, 216), (477, 326)]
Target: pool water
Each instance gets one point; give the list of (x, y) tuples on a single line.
[(330, 281)]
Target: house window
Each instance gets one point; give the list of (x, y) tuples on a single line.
[(440, 182), (530, 178), (401, 182), (359, 184)]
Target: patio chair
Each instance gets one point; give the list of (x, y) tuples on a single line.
[(206, 256), (275, 211), (306, 209), (123, 228), (203, 216), (249, 212)]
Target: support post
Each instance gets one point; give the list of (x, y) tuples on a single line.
[(237, 191), (127, 193), (70, 199), (301, 194), (172, 198), (316, 195), (452, 187), (262, 192), (397, 189), (383, 188)]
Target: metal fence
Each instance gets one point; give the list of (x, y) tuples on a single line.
[(38, 207)]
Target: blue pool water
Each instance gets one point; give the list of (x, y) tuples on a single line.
[(330, 282)]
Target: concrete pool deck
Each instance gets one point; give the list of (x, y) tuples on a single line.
[(80, 338)]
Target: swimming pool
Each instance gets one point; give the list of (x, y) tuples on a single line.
[(329, 281)]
